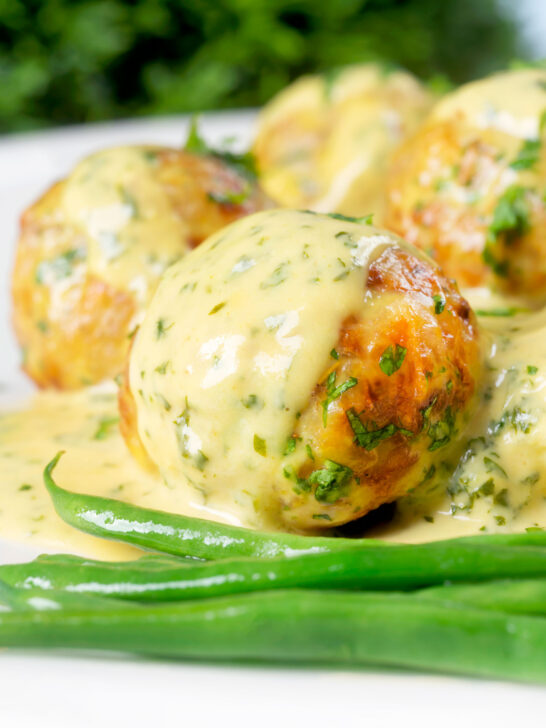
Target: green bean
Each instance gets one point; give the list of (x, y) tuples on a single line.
[(521, 596), (176, 534), (401, 567), (15, 599), (192, 537), (302, 626)]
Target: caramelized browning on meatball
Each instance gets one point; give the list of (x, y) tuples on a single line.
[(399, 389), (469, 187), (92, 249), (339, 389)]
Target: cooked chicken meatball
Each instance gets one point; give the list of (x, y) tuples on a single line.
[(302, 367), (92, 249), (469, 187), (324, 142)]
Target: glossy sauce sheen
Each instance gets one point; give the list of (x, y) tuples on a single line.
[(496, 483), (114, 198), (233, 345)]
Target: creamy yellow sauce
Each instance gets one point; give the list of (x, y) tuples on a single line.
[(233, 345), (274, 301), (85, 425), (510, 102), (115, 199)]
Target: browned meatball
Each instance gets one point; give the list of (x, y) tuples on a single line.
[(469, 187), (92, 249), (301, 367), (415, 359)]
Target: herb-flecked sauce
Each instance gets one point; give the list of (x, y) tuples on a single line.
[(494, 483)]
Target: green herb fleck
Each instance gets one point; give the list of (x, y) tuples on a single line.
[(260, 446), (161, 328), (370, 439), (510, 220), (321, 517), (331, 482), (279, 275), (105, 427), (290, 445), (440, 432), (334, 392), (162, 368), (531, 369), (439, 303), (217, 308), (493, 467), (60, 267), (392, 359), (366, 220), (251, 402), (25, 486), (334, 354), (501, 498), (528, 155)]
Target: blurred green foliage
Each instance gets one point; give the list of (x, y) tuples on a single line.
[(64, 61)]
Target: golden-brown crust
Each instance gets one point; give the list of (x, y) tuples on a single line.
[(205, 192), (435, 382), (73, 326)]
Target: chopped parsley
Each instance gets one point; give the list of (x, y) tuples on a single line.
[(290, 445), (184, 437), (244, 164), (366, 220), (439, 303), (528, 155), (334, 354), (279, 275), (370, 439), (440, 432), (392, 359), (105, 427), (161, 328), (260, 446), (60, 267), (334, 392), (251, 402), (531, 369), (331, 481), (510, 220), (493, 467), (162, 368), (218, 307)]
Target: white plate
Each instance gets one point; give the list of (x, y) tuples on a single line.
[(39, 689)]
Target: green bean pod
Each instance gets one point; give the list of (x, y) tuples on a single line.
[(17, 600), (515, 596), (192, 537), (348, 629), (177, 534), (401, 567)]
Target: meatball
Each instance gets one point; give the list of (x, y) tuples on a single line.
[(92, 249), (469, 186), (323, 143), (301, 369)]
